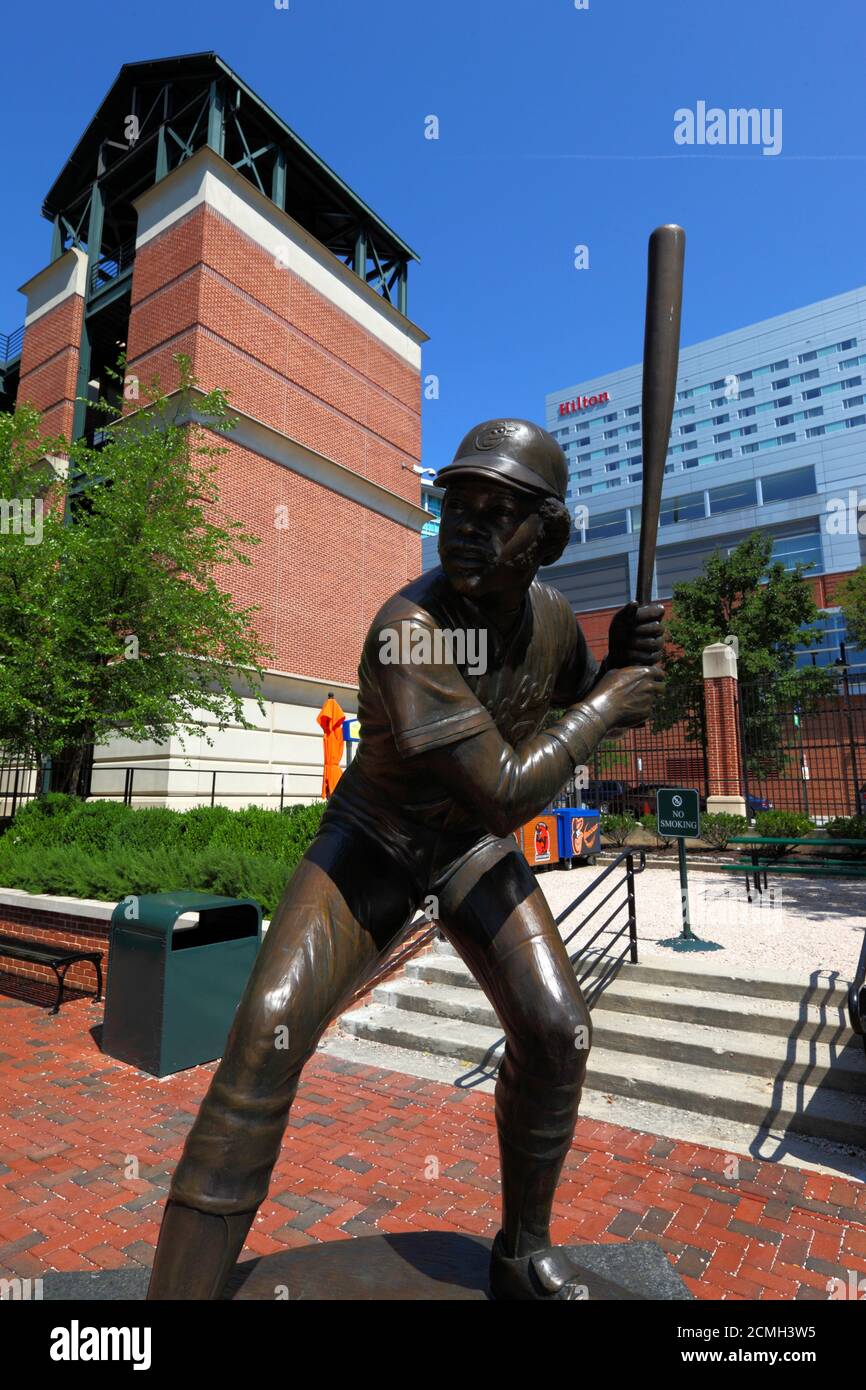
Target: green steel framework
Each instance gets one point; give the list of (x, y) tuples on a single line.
[(156, 115)]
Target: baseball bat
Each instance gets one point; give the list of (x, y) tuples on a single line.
[(661, 351)]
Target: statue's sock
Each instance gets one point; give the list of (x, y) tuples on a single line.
[(196, 1252), (535, 1118)]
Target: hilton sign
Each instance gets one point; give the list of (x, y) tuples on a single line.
[(583, 403)]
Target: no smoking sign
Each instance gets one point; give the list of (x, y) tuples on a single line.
[(679, 812)]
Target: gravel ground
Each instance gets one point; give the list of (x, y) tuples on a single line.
[(798, 926)]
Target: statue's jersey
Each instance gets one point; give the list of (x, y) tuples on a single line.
[(434, 672)]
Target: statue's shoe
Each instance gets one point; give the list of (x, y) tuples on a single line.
[(551, 1275)]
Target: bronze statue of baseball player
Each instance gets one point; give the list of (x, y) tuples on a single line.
[(450, 762)]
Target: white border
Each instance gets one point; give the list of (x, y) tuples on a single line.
[(208, 179), (57, 282)]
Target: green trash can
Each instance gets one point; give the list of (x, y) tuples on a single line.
[(173, 987)]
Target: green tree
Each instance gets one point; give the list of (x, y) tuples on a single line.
[(851, 597), (112, 620), (769, 609)]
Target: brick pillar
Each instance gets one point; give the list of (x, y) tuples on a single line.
[(51, 356), (724, 762)]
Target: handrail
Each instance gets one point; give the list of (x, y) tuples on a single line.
[(857, 997), (484, 1069), (11, 345), (110, 265), (392, 963), (411, 947), (624, 854), (629, 926)]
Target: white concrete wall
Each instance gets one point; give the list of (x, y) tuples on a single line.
[(16, 785), (284, 742)]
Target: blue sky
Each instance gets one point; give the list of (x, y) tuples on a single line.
[(556, 129)]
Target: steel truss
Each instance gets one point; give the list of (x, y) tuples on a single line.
[(158, 115)]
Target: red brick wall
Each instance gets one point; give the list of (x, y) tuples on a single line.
[(55, 929), (723, 743), (291, 359), (319, 580), (49, 364), (595, 625), (595, 622), (824, 588)]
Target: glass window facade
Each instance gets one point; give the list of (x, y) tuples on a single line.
[(797, 482), (769, 416), (732, 496)]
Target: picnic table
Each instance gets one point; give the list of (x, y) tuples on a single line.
[(824, 865)]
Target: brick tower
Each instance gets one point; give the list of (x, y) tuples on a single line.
[(191, 219)]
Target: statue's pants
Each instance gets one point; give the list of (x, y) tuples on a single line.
[(346, 902)]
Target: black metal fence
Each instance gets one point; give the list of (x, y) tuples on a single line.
[(148, 784), (627, 770), (18, 784), (218, 786), (806, 755)]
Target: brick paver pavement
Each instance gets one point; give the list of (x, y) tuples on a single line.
[(87, 1146)]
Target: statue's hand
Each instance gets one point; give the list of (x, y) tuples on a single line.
[(635, 637), (624, 697)]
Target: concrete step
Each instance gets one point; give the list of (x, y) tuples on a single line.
[(826, 991), (638, 990), (838, 1065), (819, 1110)]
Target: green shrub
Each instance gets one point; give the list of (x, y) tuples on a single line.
[(718, 828), (847, 827), (64, 820), (105, 850), (650, 822), (618, 827), (111, 876), (57, 819), (781, 823)]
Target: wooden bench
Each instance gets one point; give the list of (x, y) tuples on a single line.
[(42, 953)]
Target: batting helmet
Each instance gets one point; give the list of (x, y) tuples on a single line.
[(512, 451)]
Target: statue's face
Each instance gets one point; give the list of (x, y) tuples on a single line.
[(488, 536)]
